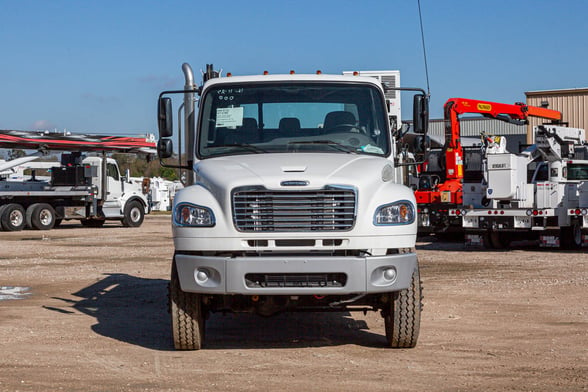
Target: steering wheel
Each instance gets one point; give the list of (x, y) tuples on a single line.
[(346, 128)]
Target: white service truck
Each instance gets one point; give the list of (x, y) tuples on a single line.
[(580, 213), (89, 189), (533, 195), (294, 201)]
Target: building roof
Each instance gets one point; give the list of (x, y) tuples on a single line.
[(558, 91)]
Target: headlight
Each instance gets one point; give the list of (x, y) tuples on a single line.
[(398, 213), (192, 215)]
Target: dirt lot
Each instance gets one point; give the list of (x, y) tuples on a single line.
[(95, 319)]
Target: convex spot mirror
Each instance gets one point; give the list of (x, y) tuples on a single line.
[(165, 148)]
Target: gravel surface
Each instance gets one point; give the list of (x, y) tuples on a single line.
[(85, 309)]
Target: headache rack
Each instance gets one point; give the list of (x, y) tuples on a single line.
[(329, 209)]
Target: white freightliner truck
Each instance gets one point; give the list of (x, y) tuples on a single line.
[(89, 189), (294, 202), (532, 195)]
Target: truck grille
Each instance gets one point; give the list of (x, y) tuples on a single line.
[(329, 209)]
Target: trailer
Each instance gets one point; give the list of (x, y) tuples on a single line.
[(90, 189)]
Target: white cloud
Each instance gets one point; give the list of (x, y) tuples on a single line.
[(43, 125)]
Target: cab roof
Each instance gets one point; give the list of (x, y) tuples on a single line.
[(293, 78)]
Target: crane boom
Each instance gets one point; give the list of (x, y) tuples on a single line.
[(454, 107), (54, 141)]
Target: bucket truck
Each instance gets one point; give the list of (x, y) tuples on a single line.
[(440, 187), (537, 194)]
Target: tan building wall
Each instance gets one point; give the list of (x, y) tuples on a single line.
[(572, 103)]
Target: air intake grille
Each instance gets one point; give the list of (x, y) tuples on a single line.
[(331, 209), (295, 280), (390, 81)]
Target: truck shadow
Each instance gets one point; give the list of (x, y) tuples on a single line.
[(134, 310)]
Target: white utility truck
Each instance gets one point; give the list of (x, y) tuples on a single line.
[(89, 189), (580, 213), (532, 195), (294, 201)]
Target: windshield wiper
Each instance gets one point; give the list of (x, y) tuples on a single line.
[(249, 147), (338, 146)]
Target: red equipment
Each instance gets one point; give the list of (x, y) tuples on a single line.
[(55, 141)]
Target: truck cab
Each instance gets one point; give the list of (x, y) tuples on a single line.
[(118, 197), (295, 203)]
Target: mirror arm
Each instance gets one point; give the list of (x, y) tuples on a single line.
[(418, 89), (163, 164)]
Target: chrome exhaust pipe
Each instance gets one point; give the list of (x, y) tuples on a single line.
[(189, 120)]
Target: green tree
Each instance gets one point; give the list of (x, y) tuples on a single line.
[(139, 166), (16, 153)]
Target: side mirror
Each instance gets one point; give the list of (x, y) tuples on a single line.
[(165, 148), (420, 113), (165, 117)]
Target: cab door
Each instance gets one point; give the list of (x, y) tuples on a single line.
[(112, 204)]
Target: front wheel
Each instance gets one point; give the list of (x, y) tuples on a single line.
[(402, 315), (133, 215), (187, 315)]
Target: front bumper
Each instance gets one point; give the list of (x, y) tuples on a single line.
[(227, 275)]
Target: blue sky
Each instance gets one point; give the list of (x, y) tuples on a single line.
[(98, 66)]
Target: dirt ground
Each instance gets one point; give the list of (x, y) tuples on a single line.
[(92, 316)]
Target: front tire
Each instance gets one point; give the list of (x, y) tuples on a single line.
[(133, 215), (402, 315), (187, 315)]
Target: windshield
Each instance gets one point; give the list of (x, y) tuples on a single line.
[(577, 171), (298, 117)]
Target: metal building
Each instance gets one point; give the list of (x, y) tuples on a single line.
[(572, 103), (471, 128)]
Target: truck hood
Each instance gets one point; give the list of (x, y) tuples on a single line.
[(290, 171)]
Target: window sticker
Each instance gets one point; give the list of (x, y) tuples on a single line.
[(229, 117)]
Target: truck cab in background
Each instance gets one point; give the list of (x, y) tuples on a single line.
[(293, 201), (118, 197)]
